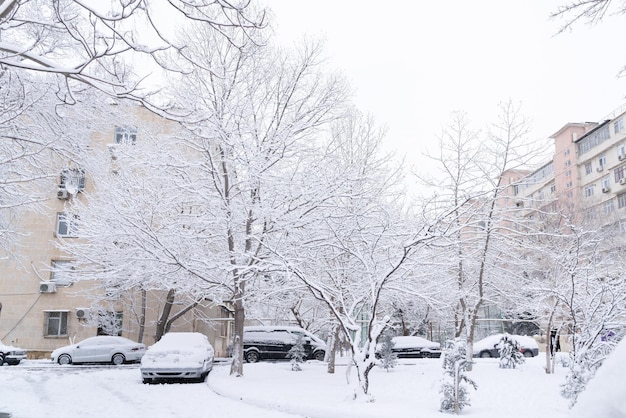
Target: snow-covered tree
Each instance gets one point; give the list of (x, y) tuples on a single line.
[(296, 354), (253, 115), (388, 358), (96, 43), (510, 354), (358, 244), (455, 383), (474, 258)]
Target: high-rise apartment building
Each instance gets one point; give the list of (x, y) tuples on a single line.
[(586, 177)]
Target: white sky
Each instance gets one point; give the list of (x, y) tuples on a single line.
[(412, 63)]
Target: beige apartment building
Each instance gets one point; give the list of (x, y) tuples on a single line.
[(41, 309), (586, 176)]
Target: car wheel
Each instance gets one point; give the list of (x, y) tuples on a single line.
[(146, 380), (118, 359), (1, 359), (319, 355), (64, 359), (252, 356), (528, 353), (485, 354)]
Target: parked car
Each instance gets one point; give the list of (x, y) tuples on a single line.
[(488, 347), (178, 356), (11, 355), (100, 349), (413, 347), (274, 343)]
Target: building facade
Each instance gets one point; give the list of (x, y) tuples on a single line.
[(41, 308)]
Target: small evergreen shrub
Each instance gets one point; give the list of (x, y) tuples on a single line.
[(510, 354), (388, 359), (455, 383), (296, 354)]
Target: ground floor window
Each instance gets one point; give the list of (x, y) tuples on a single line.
[(55, 323)]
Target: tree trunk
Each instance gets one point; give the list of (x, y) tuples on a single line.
[(333, 343), (142, 315), (165, 313), (236, 367)]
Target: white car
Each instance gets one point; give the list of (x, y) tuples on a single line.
[(100, 349), (488, 347), (11, 355), (413, 347), (178, 356)]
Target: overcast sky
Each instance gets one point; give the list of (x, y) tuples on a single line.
[(412, 62)]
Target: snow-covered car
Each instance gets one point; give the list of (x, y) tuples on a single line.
[(100, 349), (274, 343), (488, 347), (413, 347), (11, 355), (178, 356)]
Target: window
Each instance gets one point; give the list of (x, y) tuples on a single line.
[(566, 153), (224, 323), (621, 151), (125, 135), (618, 125), (567, 163), (621, 200), (568, 173), (56, 323), (620, 173), (72, 180), (588, 168), (608, 207), (110, 323), (61, 272), (602, 161), (66, 224), (605, 182), (568, 184), (552, 188), (589, 191), (593, 139)]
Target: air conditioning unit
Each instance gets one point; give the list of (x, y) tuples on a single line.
[(622, 180), (62, 193), (82, 313), (621, 157), (47, 287), (599, 169), (606, 190)]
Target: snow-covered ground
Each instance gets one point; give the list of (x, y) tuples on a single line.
[(37, 389)]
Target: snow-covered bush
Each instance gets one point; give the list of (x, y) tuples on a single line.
[(296, 354), (510, 352), (388, 358), (454, 384), (584, 361)]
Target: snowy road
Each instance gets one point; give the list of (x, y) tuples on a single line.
[(38, 389)]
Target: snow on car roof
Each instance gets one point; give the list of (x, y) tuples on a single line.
[(177, 339), (490, 341), (413, 341)]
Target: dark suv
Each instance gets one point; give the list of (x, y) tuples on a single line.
[(274, 343)]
